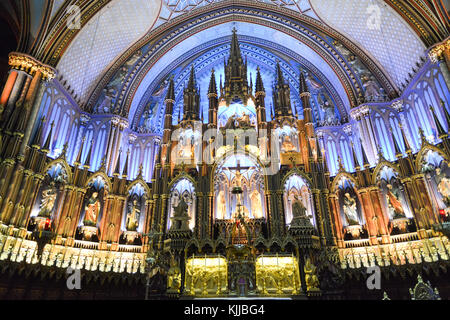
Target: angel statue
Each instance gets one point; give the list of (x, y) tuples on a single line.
[(47, 202), (350, 210)]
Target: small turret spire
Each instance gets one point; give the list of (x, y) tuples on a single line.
[(46, 147)]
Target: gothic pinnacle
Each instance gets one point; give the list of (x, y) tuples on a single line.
[(355, 158), (192, 82), (117, 169), (366, 163), (46, 147), (280, 79), (37, 139), (405, 141), (78, 159), (212, 90), (303, 85), (170, 95), (125, 167), (440, 130), (259, 86), (87, 162)]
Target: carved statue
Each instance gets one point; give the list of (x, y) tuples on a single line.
[(443, 185), (174, 276), (394, 205), (329, 116), (180, 219), (287, 145), (132, 222), (256, 204), (311, 279), (372, 91), (298, 209), (221, 205), (47, 202), (92, 209), (350, 210), (186, 148)]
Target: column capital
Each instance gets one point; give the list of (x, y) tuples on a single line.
[(360, 111), (436, 52), (397, 105), (24, 62)]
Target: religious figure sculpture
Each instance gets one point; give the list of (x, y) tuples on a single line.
[(394, 205), (92, 209), (299, 213), (174, 276), (298, 209), (180, 218), (221, 205), (256, 204), (287, 145), (47, 202), (132, 222), (186, 148), (311, 279), (329, 117), (372, 92), (443, 185), (350, 210)]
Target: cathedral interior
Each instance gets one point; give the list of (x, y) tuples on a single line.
[(183, 149)]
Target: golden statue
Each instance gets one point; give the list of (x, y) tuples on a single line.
[(174, 276), (132, 222), (312, 281)]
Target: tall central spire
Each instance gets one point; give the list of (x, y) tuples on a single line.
[(235, 51), (236, 85)]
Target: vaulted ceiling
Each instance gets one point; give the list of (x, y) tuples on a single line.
[(141, 42)]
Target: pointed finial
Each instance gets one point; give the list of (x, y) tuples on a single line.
[(125, 168), (422, 136), (366, 163), (140, 171), (355, 158), (37, 139), (117, 169), (78, 159), (405, 141), (440, 130), (340, 165), (47, 143), (397, 149), (87, 162), (64, 151)]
